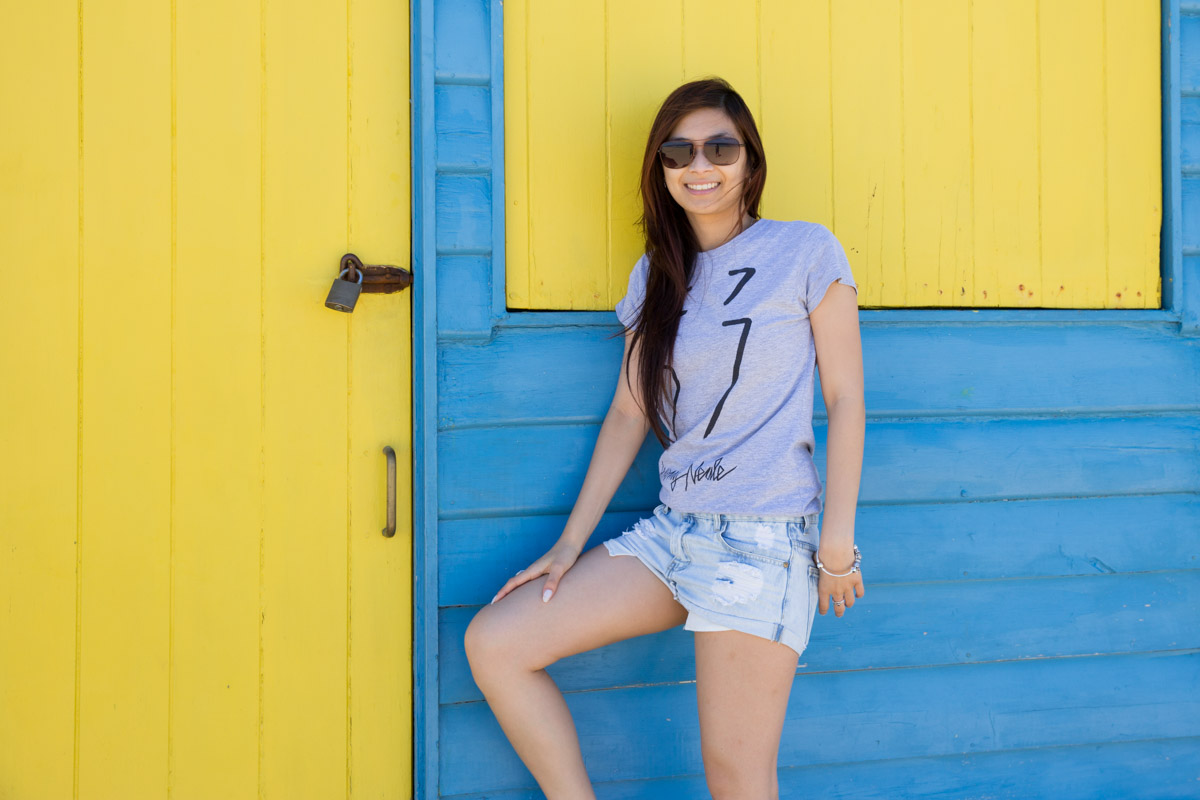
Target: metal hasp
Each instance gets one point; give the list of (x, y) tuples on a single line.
[(390, 530), (355, 277)]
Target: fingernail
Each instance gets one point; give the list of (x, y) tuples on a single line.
[(494, 599), (546, 595)]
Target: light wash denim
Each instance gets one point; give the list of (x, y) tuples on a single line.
[(738, 572)]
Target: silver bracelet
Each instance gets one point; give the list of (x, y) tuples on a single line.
[(853, 569)]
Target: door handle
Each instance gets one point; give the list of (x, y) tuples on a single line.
[(390, 530)]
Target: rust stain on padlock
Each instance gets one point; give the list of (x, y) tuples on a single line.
[(377, 278)]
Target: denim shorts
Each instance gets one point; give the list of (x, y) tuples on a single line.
[(736, 572)]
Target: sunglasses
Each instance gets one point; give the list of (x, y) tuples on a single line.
[(721, 151)]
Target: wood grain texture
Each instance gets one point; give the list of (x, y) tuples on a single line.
[(652, 732), (1079, 772), (191, 504), (908, 543), (42, 245), (909, 370), (1030, 510), (993, 154)]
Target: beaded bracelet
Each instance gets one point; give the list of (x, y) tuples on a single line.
[(853, 569)]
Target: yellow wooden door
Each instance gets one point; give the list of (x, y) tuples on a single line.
[(196, 599)]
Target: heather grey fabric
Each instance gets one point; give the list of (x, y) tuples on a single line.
[(741, 381)]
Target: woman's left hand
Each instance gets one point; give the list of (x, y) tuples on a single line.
[(845, 588)]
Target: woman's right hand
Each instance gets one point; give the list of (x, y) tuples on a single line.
[(554, 563)]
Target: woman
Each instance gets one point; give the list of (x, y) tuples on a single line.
[(725, 318)]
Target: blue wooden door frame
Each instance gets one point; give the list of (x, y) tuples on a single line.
[(466, 23)]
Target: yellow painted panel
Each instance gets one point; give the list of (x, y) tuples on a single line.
[(1135, 209), (516, 151), (39, 243), (796, 123), (1004, 114), (305, 549), (191, 475), (936, 141), (218, 444), (125, 382), (379, 647), (998, 153), (646, 68), (868, 153), (1071, 54), (560, 180)]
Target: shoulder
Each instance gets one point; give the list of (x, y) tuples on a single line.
[(638, 273), (797, 239), (796, 231)]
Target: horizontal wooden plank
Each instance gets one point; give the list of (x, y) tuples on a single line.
[(464, 294), (1162, 769), (1189, 52), (908, 625), (570, 372), (961, 710), (464, 223), (463, 125), (939, 542), (461, 39), (488, 471)]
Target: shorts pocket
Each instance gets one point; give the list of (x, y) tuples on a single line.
[(760, 541)]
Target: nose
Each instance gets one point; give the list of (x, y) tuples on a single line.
[(700, 162)]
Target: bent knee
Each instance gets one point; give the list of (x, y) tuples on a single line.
[(479, 639), (489, 642)]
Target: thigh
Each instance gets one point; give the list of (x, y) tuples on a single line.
[(601, 599), (743, 683)]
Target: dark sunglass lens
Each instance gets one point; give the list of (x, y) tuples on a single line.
[(722, 152), (676, 155)]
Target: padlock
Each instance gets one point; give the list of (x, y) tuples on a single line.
[(344, 294)]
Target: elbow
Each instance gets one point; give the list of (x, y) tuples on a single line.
[(846, 404)]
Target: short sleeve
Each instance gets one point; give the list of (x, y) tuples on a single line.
[(827, 263), (629, 307)]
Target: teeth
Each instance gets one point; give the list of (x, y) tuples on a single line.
[(701, 186)]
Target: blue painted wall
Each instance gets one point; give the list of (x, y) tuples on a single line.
[(1029, 515)]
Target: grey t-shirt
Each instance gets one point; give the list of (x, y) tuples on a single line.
[(741, 382)]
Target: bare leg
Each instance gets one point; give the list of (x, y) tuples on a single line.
[(741, 721), (602, 599)]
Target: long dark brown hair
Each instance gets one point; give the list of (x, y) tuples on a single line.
[(671, 244)]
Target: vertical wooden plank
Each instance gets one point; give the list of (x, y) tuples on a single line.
[(567, 155), (217, 399), (304, 551), (1005, 136), (867, 152), (797, 112), (1133, 113), (379, 650), (128, 269), (721, 38), (518, 241), (637, 88), (1074, 169), (39, 242), (938, 229)]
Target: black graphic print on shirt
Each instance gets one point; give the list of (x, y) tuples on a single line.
[(695, 473)]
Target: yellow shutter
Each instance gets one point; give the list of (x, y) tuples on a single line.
[(993, 153)]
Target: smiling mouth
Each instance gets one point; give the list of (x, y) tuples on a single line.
[(702, 187)]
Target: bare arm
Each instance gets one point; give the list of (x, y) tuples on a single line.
[(839, 358)]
